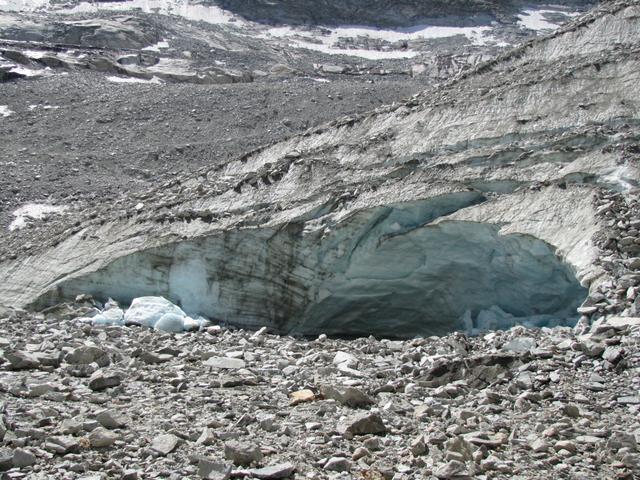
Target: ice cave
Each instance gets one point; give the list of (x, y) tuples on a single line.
[(394, 271)]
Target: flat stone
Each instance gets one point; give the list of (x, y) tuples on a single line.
[(273, 472), (19, 360), (622, 322), (23, 458), (619, 439), (338, 464), (350, 396), (629, 400), (225, 363), (102, 438), (111, 419), (155, 358), (61, 445), (165, 444), (452, 469), (102, 380), (520, 345), (242, 454), (87, 354), (212, 470), (70, 426), (302, 396), (362, 424)]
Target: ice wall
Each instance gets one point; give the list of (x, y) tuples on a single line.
[(388, 271)]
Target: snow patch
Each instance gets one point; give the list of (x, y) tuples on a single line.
[(115, 79), (22, 5), (535, 19), (43, 107), (182, 8), (326, 42), (33, 211), (5, 111), (30, 72), (163, 45)]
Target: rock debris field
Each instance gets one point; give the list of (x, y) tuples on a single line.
[(90, 402), (532, 155)]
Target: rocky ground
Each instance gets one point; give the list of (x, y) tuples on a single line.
[(119, 402), (98, 140)]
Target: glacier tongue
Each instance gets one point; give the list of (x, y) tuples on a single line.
[(389, 271)]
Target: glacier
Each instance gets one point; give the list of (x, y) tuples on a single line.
[(395, 271)]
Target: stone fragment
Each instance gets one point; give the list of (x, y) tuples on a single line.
[(23, 458), (273, 472), (225, 363), (362, 424), (87, 354), (102, 438), (212, 470), (70, 426), (629, 399), (19, 360), (450, 470), (165, 444), (111, 419), (155, 358), (360, 452), (612, 354), (207, 437), (539, 445), (418, 446), (338, 464), (302, 396), (102, 380), (242, 454), (130, 474), (6, 460), (571, 410), (619, 439), (61, 445), (350, 396), (520, 345), (566, 445), (623, 322)]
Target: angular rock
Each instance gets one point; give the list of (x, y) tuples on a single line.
[(225, 363), (22, 360), (362, 424), (165, 444), (61, 445), (102, 380), (273, 472), (23, 458), (302, 396), (242, 454), (349, 396), (212, 470), (88, 354), (102, 438), (111, 419), (338, 464)]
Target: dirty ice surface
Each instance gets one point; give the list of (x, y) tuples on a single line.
[(33, 211)]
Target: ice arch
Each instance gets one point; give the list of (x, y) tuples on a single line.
[(390, 271)]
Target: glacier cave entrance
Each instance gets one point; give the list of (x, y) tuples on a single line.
[(453, 275), (390, 271)]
